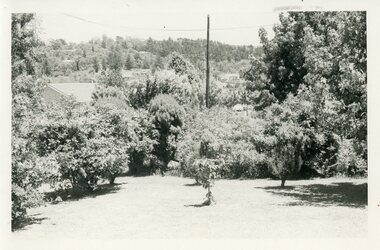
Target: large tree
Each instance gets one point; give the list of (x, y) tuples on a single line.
[(315, 65), (26, 108)]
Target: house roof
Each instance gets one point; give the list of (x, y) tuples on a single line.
[(81, 91)]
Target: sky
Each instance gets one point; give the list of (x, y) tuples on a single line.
[(231, 21), (234, 22), (228, 27)]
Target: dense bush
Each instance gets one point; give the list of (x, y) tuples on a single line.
[(136, 128), (111, 78), (102, 141), (27, 176), (110, 94), (168, 83), (168, 120), (183, 67), (234, 138)]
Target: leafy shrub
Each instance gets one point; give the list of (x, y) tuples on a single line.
[(287, 151), (168, 120), (27, 176), (135, 129), (110, 94), (93, 143), (232, 137), (206, 172), (166, 82), (112, 78), (349, 162), (181, 66)]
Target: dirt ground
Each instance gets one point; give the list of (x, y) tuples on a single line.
[(168, 207)]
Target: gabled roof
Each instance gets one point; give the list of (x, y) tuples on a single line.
[(81, 91)]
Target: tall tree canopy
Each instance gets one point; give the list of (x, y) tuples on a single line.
[(24, 40), (315, 66)]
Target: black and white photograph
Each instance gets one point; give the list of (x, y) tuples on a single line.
[(165, 120)]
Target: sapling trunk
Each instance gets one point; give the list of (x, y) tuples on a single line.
[(210, 198), (112, 179), (283, 179)]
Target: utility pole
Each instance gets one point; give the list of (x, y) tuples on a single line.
[(207, 64)]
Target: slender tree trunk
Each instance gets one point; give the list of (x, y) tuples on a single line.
[(283, 179), (112, 180)]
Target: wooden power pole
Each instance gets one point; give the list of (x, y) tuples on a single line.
[(207, 64)]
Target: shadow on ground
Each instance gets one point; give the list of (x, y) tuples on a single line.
[(76, 194), (203, 204), (346, 194), (195, 184), (30, 220), (68, 195)]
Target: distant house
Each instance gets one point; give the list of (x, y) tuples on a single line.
[(231, 78), (238, 108), (82, 92), (135, 74)]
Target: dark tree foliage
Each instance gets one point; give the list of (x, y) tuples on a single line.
[(315, 66), (194, 49), (114, 58), (182, 67), (168, 120), (130, 62), (24, 42)]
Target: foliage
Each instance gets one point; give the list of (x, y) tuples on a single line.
[(206, 174), (112, 78), (315, 66), (91, 143), (110, 94), (27, 176), (114, 59), (230, 137), (130, 62), (349, 162), (27, 108), (168, 120), (24, 43), (194, 49), (183, 67), (166, 82)]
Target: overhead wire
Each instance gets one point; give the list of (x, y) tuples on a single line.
[(165, 29)]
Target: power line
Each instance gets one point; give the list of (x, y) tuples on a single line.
[(165, 29), (243, 27)]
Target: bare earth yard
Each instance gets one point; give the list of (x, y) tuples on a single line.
[(168, 207)]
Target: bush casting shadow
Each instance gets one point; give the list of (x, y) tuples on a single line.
[(345, 194), (27, 221)]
